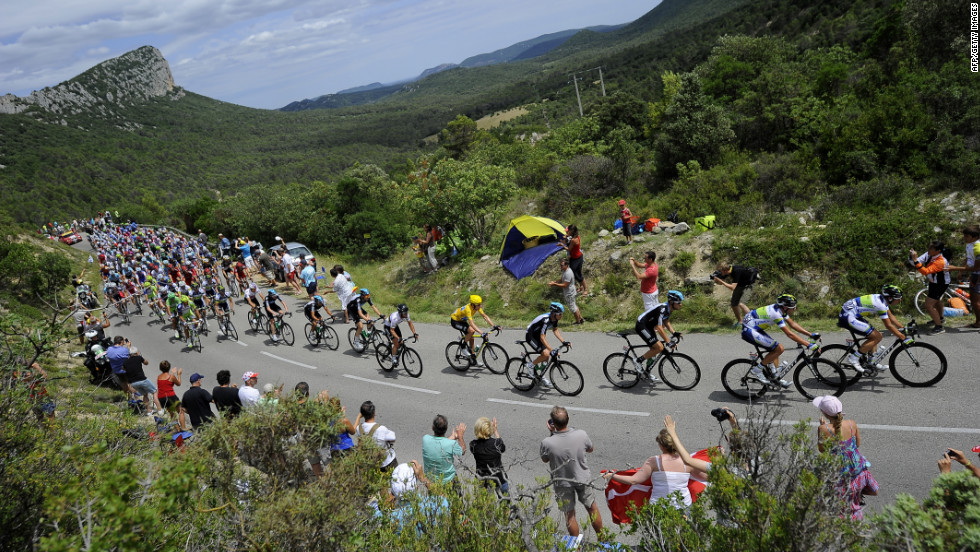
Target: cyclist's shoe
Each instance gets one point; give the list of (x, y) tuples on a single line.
[(759, 375), (546, 383), (357, 344), (190, 344), (784, 384), (176, 334), (394, 362), (472, 359), (638, 364), (936, 330), (275, 339), (855, 361)]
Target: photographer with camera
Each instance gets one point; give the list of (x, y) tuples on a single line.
[(946, 462), (742, 277)]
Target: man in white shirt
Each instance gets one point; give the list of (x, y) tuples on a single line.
[(384, 437), (249, 394), (343, 287)]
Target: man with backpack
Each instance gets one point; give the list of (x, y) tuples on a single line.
[(384, 437)]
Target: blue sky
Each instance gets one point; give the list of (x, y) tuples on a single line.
[(267, 53)]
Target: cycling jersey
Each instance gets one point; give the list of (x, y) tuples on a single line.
[(251, 293), (310, 309), (866, 304), (972, 254), (270, 302), (656, 316), (466, 312), (394, 319), (764, 318), (541, 324)]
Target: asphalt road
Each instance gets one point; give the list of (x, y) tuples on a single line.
[(904, 430)]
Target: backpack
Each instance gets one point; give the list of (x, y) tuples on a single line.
[(437, 233)]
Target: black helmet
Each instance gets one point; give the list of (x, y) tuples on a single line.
[(786, 301), (402, 309), (891, 292)]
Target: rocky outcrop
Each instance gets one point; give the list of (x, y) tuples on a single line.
[(129, 79)]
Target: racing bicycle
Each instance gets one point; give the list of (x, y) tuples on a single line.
[(371, 336), (282, 328), (564, 376), (813, 376), (257, 319), (408, 358), (494, 357), (319, 332), (226, 327), (677, 370), (916, 364)]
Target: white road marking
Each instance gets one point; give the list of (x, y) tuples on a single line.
[(289, 361), (919, 429), (576, 408), (408, 387), (242, 343)]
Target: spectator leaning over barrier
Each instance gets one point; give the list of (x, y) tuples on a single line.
[(565, 451), (438, 451)]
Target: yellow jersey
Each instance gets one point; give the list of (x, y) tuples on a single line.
[(466, 312)]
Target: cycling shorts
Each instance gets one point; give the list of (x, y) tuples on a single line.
[(461, 325), (396, 330), (759, 337), (647, 331), (352, 311), (849, 319), (252, 300), (534, 341)]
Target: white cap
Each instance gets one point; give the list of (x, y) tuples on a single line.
[(403, 479)]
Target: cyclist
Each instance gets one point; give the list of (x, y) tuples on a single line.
[(536, 337), (754, 326), (188, 313), (172, 303), (312, 310), (356, 311), (227, 268), (852, 316), (222, 304), (253, 296), (199, 297), (653, 322), (241, 274), (391, 327), (274, 307), (462, 320)]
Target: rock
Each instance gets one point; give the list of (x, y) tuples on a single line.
[(618, 231), (937, 229), (665, 224), (804, 239), (615, 256), (678, 229), (804, 277), (485, 258), (603, 233), (803, 221), (824, 291), (821, 226), (642, 237), (656, 230)]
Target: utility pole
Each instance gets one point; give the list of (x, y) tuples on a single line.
[(577, 95), (602, 83)]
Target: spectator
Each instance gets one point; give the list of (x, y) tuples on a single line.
[(245, 246), (308, 275), (196, 403), (626, 216), (742, 277), (488, 449), (438, 451), (343, 443), (648, 279), (575, 258), (302, 393), (137, 379), (34, 376), (945, 463), (565, 451), (224, 245), (117, 355), (270, 395), (166, 381), (855, 477), (418, 247), (667, 473), (568, 289), (202, 237), (429, 245), (971, 237), (248, 394), (289, 266), (226, 397), (267, 267), (343, 287), (384, 437)]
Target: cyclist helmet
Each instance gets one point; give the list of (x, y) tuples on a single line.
[(225, 258), (402, 309), (674, 296), (365, 292), (273, 293), (476, 299), (891, 292), (252, 286), (171, 295), (318, 300), (786, 301), (557, 308)]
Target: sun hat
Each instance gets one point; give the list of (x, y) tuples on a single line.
[(249, 375), (829, 405)]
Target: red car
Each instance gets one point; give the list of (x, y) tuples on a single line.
[(71, 238)]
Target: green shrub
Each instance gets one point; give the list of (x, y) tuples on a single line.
[(683, 262)]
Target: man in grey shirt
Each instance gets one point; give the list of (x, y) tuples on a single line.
[(565, 454), (567, 285)]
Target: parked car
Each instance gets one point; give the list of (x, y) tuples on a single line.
[(295, 249), (70, 237)]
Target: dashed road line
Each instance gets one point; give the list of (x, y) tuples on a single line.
[(289, 361), (575, 408), (408, 387)]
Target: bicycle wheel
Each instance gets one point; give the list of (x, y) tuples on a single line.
[(355, 343), (377, 337), (196, 341), (383, 354), (311, 335), (230, 330), (330, 338), (253, 321), (412, 362), (458, 356), (679, 371), (838, 354), (620, 370), (139, 308), (519, 375), (815, 377), (495, 358), (204, 325), (918, 364), (567, 378), (738, 381), (286, 333), (920, 301)]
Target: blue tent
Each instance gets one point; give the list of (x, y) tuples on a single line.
[(529, 241)]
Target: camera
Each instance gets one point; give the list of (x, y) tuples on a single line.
[(720, 414), (715, 274)]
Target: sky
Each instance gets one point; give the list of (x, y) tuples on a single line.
[(268, 53)]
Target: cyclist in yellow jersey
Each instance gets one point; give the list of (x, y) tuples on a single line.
[(971, 237), (462, 320)]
